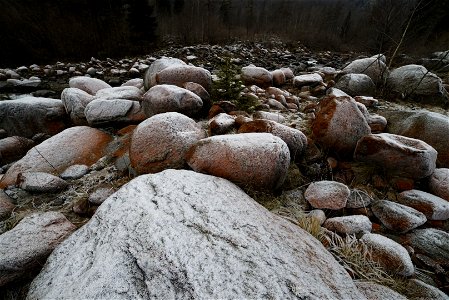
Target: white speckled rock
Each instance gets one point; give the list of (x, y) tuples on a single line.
[(76, 145), (221, 124), (184, 235), (348, 224), (433, 207), (374, 291), (26, 246), (307, 79), (101, 112), (100, 195), (75, 101), (257, 76), (356, 85), (170, 98), (162, 141), (399, 155), (327, 194), (439, 183), (40, 182), (157, 66), (265, 115), (432, 242), (398, 217), (136, 82), (180, 74), (391, 255), (421, 290), (121, 92), (74, 172), (88, 84), (260, 160), (374, 67)]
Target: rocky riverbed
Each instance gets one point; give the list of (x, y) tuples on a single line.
[(127, 178)]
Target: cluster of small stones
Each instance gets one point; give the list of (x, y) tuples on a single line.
[(390, 189)]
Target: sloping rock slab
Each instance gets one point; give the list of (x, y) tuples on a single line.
[(183, 235), (374, 291), (76, 145), (27, 245)]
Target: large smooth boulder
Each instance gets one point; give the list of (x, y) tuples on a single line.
[(88, 84), (162, 141), (157, 66), (30, 115), (13, 148), (398, 217), (75, 101), (416, 81), (259, 76), (25, 247), (76, 145), (183, 235), (430, 127), (431, 242), (399, 155), (433, 207), (101, 112), (170, 98), (356, 85), (121, 92), (180, 74), (260, 160), (392, 256), (439, 183), (339, 124), (374, 67), (295, 139)]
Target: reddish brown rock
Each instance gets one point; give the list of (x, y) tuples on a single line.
[(13, 148), (339, 124), (399, 155), (162, 141), (6, 206), (439, 183), (433, 207), (76, 145), (295, 139), (180, 74), (221, 124), (259, 160), (398, 217), (278, 77)]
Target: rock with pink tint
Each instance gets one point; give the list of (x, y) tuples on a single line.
[(348, 224), (261, 77), (327, 194), (399, 155), (278, 77), (398, 217), (307, 79), (439, 183), (180, 74), (433, 207), (88, 84), (157, 66), (221, 124), (75, 101)]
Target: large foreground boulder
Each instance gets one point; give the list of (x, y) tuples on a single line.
[(29, 115), (26, 246), (259, 160), (76, 145), (184, 235)]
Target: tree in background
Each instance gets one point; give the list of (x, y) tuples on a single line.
[(142, 23)]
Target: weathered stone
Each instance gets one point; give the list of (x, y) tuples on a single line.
[(339, 124), (221, 124), (318, 214), (433, 207), (430, 127), (295, 139), (40, 182), (288, 73), (431, 242), (26, 246), (307, 79), (358, 199), (348, 224), (416, 81), (157, 66), (276, 105), (265, 115), (398, 217), (439, 183), (374, 67), (367, 101), (180, 74), (100, 195), (170, 98), (390, 255), (399, 155), (162, 141), (377, 123), (257, 76), (75, 101), (13, 148), (259, 160), (202, 238), (278, 77), (136, 82), (6, 206), (421, 290), (121, 92), (102, 112), (74, 172), (88, 84), (374, 291), (327, 194), (356, 85), (29, 115), (76, 145)]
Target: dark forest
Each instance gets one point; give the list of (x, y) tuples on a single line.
[(49, 30)]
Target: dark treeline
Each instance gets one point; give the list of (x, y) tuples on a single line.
[(49, 30)]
